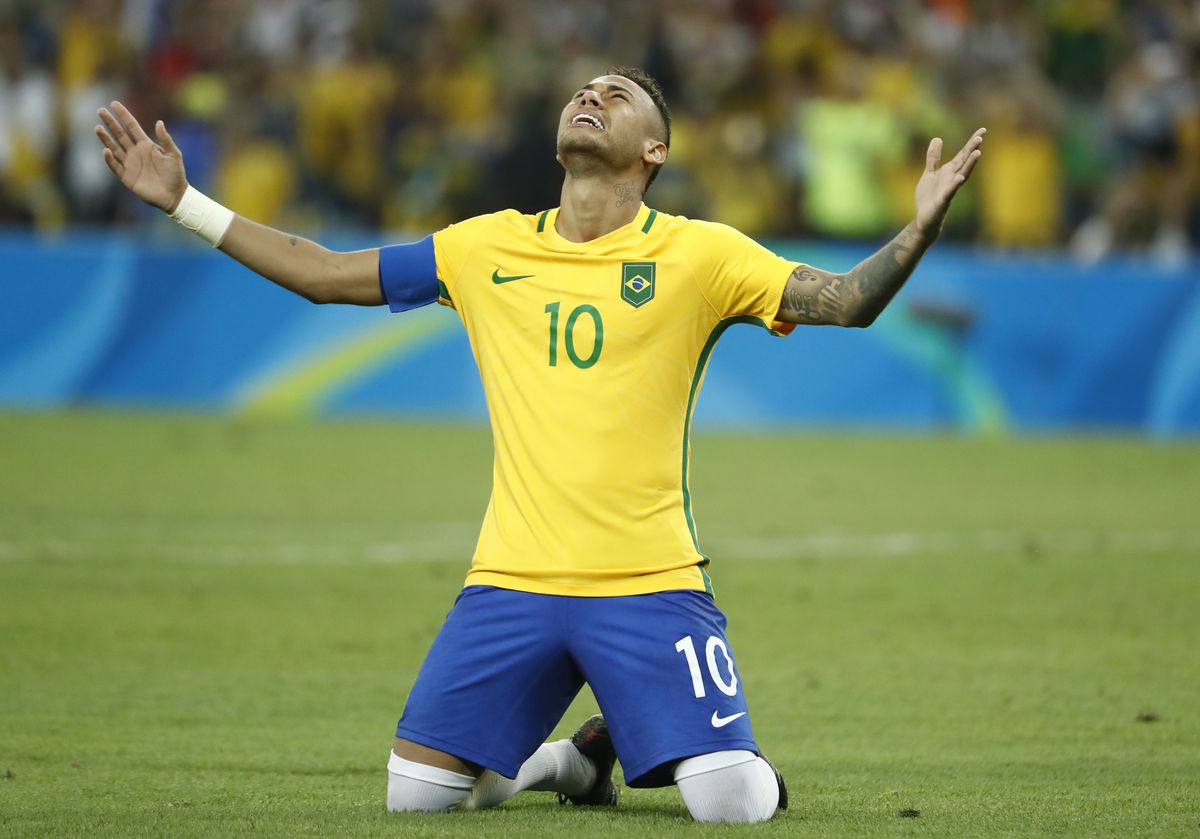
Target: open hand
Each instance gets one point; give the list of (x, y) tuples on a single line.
[(938, 184), (151, 171)]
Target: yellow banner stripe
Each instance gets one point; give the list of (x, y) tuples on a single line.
[(300, 391)]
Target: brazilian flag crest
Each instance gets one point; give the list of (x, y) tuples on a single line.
[(637, 283)]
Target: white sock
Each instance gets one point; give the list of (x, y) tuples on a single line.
[(415, 787), (733, 786), (554, 767)]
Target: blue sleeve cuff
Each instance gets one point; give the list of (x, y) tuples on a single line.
[(408, 275)]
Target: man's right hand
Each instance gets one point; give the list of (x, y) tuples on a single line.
[(151, 171), (154, 173)]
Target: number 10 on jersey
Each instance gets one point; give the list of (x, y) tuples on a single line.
[(569, 335)]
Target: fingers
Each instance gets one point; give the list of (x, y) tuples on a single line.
[(129, 121), (122, 127), (109, 143), (972, 159), (966, 152), (164, 139), (934, 154), (116, 131), (116, 166)]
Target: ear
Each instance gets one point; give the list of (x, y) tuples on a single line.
[(655, 153)]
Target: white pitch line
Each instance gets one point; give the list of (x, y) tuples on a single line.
[(454, 542), (912, 543)]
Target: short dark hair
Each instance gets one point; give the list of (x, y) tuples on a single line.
[(647, 83)]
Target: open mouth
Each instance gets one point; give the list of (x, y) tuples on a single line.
[(587, 121)]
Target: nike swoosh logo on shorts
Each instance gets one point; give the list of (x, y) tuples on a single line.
[(720, 722), (496, 278)]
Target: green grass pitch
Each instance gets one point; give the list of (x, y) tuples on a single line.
[(208, 628)]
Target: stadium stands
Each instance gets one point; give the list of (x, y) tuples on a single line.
[(792, 118)]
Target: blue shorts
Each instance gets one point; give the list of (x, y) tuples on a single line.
[(506, 665)]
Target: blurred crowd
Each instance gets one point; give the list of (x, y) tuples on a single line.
[(791, 117)]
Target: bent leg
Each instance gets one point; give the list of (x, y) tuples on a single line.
[(732, 786), (554, 767), (491, 689), (424, 780), (665, 677), (417, 753)]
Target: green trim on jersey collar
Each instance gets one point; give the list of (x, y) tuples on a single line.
[(541, 222), (649, 221)]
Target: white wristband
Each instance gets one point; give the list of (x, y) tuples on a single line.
[(203, 216)]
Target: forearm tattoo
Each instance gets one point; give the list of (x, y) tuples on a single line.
[(857, 297)]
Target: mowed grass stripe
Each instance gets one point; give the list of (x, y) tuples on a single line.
[(979, 638)]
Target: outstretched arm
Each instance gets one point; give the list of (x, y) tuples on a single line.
[(154, 172), (856, 298)]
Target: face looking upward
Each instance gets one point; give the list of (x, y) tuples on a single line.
[(610, 125)]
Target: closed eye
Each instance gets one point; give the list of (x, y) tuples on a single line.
[(613, 90)]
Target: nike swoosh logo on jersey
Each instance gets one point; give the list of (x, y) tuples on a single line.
[(720, 722), (496, 278)]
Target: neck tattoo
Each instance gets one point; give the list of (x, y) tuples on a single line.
[(626, 193)]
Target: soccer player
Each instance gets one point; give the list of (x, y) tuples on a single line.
[(592, 324)]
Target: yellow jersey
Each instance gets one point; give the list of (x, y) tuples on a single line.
[(591, 356)]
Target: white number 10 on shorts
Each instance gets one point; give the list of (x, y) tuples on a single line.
[(686, 646)]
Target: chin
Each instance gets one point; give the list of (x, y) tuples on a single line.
[(583, 154), (580, 142)]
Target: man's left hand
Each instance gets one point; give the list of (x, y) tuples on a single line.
[(938, 184)]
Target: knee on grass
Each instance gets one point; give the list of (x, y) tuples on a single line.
[(731, 786), (417, 788)]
